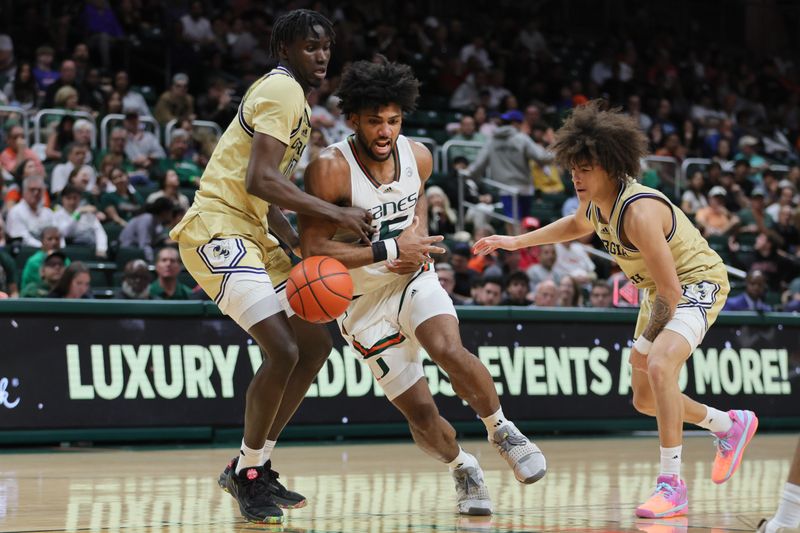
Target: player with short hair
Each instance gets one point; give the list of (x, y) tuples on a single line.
[(684, 281), (400, 306), (227, 244)]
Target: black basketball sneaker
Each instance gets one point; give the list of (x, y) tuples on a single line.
[(285, 498), (251, 490)]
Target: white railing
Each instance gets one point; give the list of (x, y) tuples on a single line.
[(44, 113), (24, 122), (196, 124), (109, 121)]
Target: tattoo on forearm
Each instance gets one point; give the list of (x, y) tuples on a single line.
[(661, 314)]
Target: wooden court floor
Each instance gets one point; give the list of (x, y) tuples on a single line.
[(592, 485)]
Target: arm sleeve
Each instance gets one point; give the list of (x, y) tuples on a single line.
[(276, 107)]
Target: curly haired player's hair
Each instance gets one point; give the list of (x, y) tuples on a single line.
[(370, 85), (595, 135), (297, 24)]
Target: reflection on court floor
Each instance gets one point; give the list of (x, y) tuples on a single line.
[(591, 485)]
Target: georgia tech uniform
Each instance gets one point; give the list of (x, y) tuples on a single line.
[(383, 316), (701, 272), (224, 237)]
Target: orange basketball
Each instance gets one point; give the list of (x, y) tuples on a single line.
[(319, 289)]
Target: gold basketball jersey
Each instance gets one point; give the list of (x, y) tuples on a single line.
[(274, 105), (694, 260)]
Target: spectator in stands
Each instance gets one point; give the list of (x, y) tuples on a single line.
[(467, 96), (49, 274), (441, 217), (747, 152), (600, 296), (123, 204), (490, 292), (167, 286), (67, 78), (196, 27), (170, 188), (791, 297), (777, 267), (476, 50), (753, 219), (28, 218), (8, 267), (82, 134), (148, 230), (113, 105), (507, 156), (142, 148), (463, 274), (544, 269), (786, 198), (188, 172), (43, 71), (13, 193), (545, 294), (752, 299), (22, 91), (176, 102), (694, 198), (75, 283), (132, 101), (59, 138), (787, 231), (715, 219), (76, 156), (447, 279), (103, 28), (570, 293), (77, 221), (135, 281), (467, 131), (52, 240), (116, 148), (573, 260), (517, 287), (634, 109), (95, 97), (17, 149), (217, 104)]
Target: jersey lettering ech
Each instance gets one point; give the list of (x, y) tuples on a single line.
[(274, 105), (694, 260), (391, 204)]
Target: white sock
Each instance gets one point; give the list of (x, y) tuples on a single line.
[(788, 513), (461, 460), (266, 451), (716, 421), (248, 457), (671, 461), (494, 421)]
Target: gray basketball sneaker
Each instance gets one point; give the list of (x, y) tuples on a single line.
[(523, 456), (473, 496)]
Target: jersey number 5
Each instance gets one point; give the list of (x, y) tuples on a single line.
[(386, 232)]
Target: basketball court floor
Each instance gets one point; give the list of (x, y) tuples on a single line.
[(593, 485)]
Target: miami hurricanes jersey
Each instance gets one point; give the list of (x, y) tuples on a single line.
[(274, 105), (695, 261), (391, 204)]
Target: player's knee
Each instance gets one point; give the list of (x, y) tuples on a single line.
[(284, 357), (448, 354), (659, 370)]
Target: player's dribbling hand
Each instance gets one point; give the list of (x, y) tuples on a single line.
[(358, 221), (416, 248), (638, 361), (491, 243)]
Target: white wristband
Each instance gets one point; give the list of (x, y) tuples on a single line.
[(642, 345), (392, 250)]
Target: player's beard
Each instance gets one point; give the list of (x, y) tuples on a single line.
[(369, 151)]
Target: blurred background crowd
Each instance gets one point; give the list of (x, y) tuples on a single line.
[(110, 109)]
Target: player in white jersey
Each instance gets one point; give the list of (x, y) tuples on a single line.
[(399, 305)]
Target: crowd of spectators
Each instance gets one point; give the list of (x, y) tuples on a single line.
[(499, 85)]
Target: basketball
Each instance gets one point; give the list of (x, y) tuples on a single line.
[(319, 289)]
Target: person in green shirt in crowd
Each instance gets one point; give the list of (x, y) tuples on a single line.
[(188, 172), (124, 203), (51, 241), (167, 286), (50, 273)]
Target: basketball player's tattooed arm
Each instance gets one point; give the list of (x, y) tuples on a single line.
[(646, 223)]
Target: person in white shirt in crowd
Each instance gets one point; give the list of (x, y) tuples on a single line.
[(196, 27), (573, 260), (787, 196), (141, 147), (131, 100), (28, 218), (82, 134), (77, 221), (694, 198), (76, 157), (170, 188)]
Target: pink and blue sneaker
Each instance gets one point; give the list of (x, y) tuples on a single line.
[(731, 445), (669, 499)]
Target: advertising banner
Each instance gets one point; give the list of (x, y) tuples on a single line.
[(72, 371)]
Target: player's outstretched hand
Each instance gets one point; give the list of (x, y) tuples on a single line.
[(491, 243), (358, 221), (417, 248)]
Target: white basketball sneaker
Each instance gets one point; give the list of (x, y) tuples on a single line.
[(473, 496), (523, 456)]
